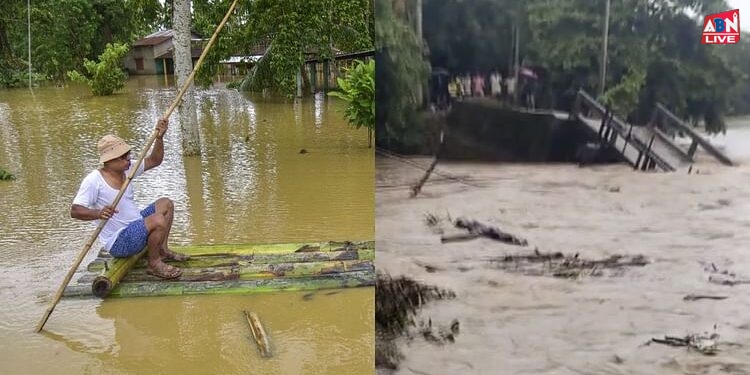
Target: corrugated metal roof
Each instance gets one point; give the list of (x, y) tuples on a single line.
[(159, 37)]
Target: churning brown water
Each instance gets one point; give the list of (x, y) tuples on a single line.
[(690, 227), (251, 185)]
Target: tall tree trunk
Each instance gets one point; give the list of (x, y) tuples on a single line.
[(183, 65), (5, 50)]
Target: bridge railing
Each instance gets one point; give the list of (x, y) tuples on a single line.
[(612, 126), (663, 118)]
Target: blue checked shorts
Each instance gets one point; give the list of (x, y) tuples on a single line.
[(133, 238)]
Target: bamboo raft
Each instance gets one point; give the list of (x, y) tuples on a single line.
[(233, 269)]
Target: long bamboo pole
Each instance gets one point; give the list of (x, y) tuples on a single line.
[(149, 143)]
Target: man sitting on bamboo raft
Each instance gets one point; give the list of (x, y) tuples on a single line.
[(128, 230)]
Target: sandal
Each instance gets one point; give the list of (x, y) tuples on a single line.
[(164, 272), (177, 257)]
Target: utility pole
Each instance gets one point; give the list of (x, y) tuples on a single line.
[(423, 91), (516, 63), (603, 77), (512, 47), (419, 19)]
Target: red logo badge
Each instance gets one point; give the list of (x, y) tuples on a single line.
[(721, 28)]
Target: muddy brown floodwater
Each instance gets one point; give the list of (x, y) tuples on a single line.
[(250, 185), (692, 230)]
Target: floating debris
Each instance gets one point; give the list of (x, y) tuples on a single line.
[(427, 267), (397, 302), (440, 335), (704, 344), (476, 229), (431, 220), (695, 297), (259, 334), (721, 280), (560, 265), (723, 276)]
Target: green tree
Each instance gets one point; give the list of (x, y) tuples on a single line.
[(654, 52), (65, 32), (400, 73), (357, 88), (106, 76), (295, 29)]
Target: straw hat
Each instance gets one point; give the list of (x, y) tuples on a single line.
[(111, 147)]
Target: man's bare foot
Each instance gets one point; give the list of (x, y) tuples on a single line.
[(168, 255), (163, 270)]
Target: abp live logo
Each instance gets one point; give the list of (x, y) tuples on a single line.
[(722, 28)]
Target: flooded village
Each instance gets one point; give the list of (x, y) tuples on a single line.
[(270, 188)]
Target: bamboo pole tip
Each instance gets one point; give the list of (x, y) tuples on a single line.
[(101, 287)]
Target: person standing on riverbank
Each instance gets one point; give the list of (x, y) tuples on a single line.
[(128, 230)]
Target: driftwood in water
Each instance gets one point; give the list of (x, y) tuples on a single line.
[(259, 334), (724, 277), (705, 345), (727, 280), (564, 266), (477, 229), (418, 186), (695, 297)]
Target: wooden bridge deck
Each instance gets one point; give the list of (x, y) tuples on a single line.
[(644, 147), (663, 148)]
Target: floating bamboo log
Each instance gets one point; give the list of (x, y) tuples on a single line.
[(108, 279), (231, 269), (178, 288), (224, 259), (224, 264), (259, 334)]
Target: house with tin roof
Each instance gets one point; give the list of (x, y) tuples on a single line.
[(152, 54)]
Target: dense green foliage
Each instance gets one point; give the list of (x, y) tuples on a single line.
[(357, 88), (106, 76), (654, 52), (400, 73), (293, 29), (66, 32)]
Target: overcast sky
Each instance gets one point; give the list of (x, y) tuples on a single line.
[(744, 7)]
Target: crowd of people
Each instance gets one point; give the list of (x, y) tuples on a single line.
[(449, 88)]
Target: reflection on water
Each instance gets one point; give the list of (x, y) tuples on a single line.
[(250, 185), (517, 324)]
